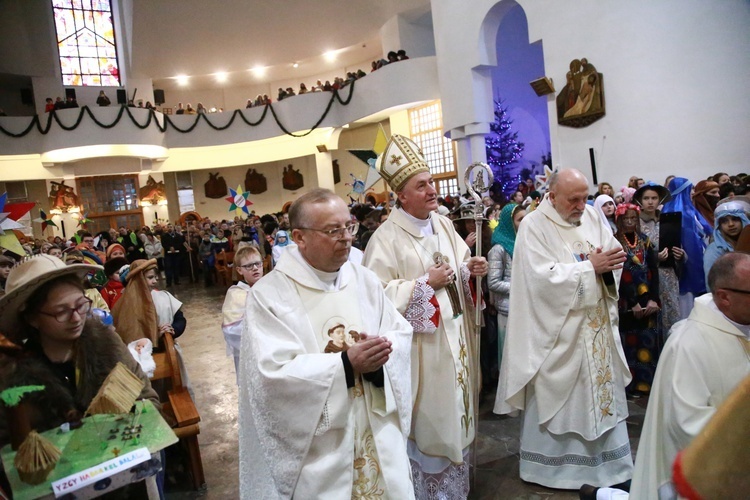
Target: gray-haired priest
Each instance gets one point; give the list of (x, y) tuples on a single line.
[(425, 267), (325, 396)]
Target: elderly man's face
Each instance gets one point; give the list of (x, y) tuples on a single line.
[(419, 197), (324, 252), (569, 196)]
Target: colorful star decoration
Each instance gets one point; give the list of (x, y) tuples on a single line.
[(9, 214), (45, 220), (83, 219), (239, 200)]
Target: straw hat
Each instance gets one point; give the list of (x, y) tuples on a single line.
[(24, 280)]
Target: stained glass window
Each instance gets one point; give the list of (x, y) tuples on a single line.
[(86, 41)]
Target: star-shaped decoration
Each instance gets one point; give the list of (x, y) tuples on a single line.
[(83, 219), (239, 200), (45, 220), (396, 160), (358, 186), (542, 181), (9, 214)]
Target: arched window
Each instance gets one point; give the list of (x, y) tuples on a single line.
[(86, 42)]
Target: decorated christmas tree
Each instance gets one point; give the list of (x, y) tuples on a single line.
[(503, 149)]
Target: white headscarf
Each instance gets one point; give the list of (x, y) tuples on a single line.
[(599, 202)]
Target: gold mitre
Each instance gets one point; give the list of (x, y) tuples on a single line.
[(401, 160)]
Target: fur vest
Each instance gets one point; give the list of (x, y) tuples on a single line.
[(98, 350)]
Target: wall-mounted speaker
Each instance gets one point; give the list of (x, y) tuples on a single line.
[(159, 97), (70, 93), (122, 96), (27, 97)]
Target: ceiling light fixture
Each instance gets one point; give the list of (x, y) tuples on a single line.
[(295, 65), (259, 70), (222, 76), (182, 80), (330, 56)]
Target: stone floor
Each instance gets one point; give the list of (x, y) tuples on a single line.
[(213, 379)]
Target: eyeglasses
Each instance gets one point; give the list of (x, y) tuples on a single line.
[(66, 314), (337, 233), (251, 266), (744, 292)]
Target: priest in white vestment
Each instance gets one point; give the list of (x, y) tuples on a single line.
[(706, 356), (563, 362), (425, 267), (325, 394)]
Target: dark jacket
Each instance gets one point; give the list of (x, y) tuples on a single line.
[(97, 352)]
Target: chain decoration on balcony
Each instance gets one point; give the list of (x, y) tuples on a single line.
[(52, 115)]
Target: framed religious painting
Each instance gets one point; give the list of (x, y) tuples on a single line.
[(581, 101)]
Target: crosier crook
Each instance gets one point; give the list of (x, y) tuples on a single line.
[(476, 187)]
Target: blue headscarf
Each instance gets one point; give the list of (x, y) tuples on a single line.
[(279, 234), (695, 229), (505, 232), (723, 210)]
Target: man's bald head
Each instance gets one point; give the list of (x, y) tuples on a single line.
[(568, 192), (728, 281)]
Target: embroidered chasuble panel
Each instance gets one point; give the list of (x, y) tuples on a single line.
[(336, 320), (596, 334), (435, 374)]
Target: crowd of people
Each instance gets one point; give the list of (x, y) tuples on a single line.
[(353, 336), (260, 100)]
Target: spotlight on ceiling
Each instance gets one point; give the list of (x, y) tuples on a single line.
[(182, 80), (330, 56), (295, 65), (222, 76), (259, 70)]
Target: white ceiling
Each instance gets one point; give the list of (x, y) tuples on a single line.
[(199, 38)]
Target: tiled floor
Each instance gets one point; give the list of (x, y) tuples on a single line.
[(213, 379)]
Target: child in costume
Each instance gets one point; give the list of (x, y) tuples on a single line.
[(249, 264), (112, 291), (145, 312)]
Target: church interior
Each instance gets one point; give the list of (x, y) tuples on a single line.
[(671, 77)]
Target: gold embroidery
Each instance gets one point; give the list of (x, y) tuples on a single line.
[(463, 382), (396, 160), (603, 389), (366, 469)]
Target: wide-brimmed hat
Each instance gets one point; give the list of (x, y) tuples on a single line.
[(24, 280), (661, 191)]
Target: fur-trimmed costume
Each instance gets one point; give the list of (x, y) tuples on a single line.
[(97, 352)]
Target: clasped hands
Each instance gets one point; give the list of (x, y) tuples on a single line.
[(441, 275), (641, 312), (369, 354)]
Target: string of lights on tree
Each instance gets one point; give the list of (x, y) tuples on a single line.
[(503, 150)]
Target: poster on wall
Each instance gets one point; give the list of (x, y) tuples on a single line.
[(255, 182), (581, 101), (291, 179), (215, 186)]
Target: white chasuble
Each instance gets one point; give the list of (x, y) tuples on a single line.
[(565, 365), (704, 359), (400, 252), (304, 434)]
